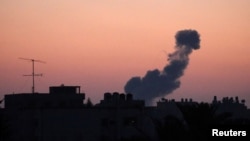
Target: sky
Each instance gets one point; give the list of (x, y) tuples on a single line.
[(100, 45)]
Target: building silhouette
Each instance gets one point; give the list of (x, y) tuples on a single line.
[(62, 114)]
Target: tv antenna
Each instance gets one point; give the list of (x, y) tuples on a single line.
[(33, 71)]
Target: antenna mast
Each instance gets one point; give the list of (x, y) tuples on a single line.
[(33, 71)]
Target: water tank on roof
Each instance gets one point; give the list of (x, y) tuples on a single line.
[(107, 96), (122, 97), (116, 96)]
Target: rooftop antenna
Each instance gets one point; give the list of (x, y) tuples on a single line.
[(33, 71)]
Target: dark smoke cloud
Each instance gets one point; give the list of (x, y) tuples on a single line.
[(158, 83)]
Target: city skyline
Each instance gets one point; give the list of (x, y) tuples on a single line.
[(61, 114)]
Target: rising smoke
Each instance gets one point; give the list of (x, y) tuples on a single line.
[(158, 83)]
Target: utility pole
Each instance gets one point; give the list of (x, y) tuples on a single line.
[(33, 71)]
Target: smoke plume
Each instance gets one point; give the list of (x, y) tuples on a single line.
[(158, 83)]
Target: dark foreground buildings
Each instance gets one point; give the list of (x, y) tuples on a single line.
[(62, 115)]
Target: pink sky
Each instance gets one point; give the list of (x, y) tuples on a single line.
[(100, 45)]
